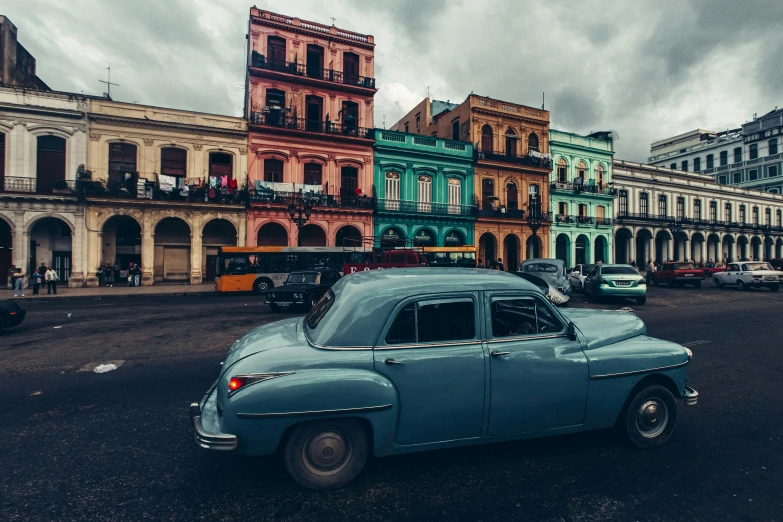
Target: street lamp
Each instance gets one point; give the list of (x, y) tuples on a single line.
[(534, 221), (300, 214)]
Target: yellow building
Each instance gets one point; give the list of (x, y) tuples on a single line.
[(164, 189)]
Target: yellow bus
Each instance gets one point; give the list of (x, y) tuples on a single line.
[(461, 257), (257, 269)]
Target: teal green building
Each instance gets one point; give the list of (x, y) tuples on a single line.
[(582, 196), (423, 189)]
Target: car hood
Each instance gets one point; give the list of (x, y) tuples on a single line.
[(604, 327)]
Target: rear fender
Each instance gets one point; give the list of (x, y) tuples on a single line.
[(262, 414)]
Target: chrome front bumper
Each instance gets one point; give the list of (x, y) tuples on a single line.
[(690, 396), (209, 439)]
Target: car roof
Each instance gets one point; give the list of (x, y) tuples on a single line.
[(543, 260), (364, 300)]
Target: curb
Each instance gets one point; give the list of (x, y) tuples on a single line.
[(66, 297)]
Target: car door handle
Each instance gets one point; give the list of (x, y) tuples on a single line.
[(495, 353), (392, 361)]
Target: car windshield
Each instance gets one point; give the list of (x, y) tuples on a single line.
[(541, 267), (298, 278), (618, 270), (758, 266), (540, 283), (586, 269), (320, 310), (682, 266)]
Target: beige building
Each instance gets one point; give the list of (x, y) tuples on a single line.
[(166, 188)]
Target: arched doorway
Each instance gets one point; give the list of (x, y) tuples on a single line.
[(622, 242), (511, 196), (121, 243), (51, 244), (312, 236), (680, 247), (600, 250), (487, 248), (424, 237), (778, 248), (742, 248), (454, 238), (728, 250), (172, 251), (50, 164), (272, 234), (510, 252), (713, 248), (582, 245), (6, 250), (768, 247), (697, 247), (644, 248), (562, 246), (486, 139), (533, 247), (663, 250), (392, 236), (755, 244), (348, 236), (217, 233)]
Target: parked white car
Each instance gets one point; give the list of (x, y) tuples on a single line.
[(578, 275), (749, 274)]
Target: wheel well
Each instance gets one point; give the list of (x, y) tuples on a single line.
[(366, 424), (649, 380), (268, 281)]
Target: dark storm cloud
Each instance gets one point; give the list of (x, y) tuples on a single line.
[(645, 68)]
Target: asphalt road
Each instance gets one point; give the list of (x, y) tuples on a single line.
[(116, 446)]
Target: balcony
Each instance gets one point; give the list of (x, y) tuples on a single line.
[(565, 219), (307, 72), (17, 185), (278, 120), (501, 213), (579, 188), (418, 207), (517, 159), (349, 201), (149, 190)]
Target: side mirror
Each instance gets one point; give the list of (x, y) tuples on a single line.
[(571, 331)]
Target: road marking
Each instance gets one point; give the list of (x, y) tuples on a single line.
[(696, 343), (91, 366)]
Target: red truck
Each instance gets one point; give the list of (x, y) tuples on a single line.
[(677, 274), (716, 267)]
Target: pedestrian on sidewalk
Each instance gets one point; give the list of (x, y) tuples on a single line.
[(136, 275), (17, 281), (51, 281), (650, 269), (101, 275), (42, 269), (109, 271), (36, 279), (130, 274), (480, 263), (500, 265), (12, 276)]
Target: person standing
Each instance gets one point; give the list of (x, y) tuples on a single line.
[(480, 263), (109, 271), (136, 275), (650, 269), (12, 277), (51, 281), (101, 275), (500, 265), (36, 279), (130, 274)]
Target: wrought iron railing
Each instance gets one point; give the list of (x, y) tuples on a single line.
[(304, 70), (280, 120), (502, 213), (581, 187), (344, 200), (21, 185), (149, 190), (415, 207), (530, 161)]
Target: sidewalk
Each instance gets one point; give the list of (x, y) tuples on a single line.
[(115, 291)]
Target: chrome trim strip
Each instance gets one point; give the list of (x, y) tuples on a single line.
[(532, 337), (637, 372), (365, 409), (335, 348), (433, 345), (259, 377)]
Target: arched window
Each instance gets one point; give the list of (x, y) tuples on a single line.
[(312, 174), (532, 142), (486, 138), (562, 171), (599, 177), (173, 162), (511, 196), (425, 194), (273, 170), (220, 165), (581, 172), (622, 202), (534, 201), (511, 143), (392, 200), (276, 52), (644, 204), (455, 196), (50, 163), (122, 161)]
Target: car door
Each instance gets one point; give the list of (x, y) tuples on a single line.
[(575, 276), (538, 376), (431, 351), (590, 280), (729, 276)]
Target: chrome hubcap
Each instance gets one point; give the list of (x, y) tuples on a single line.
[(652, 418), (326, 452)]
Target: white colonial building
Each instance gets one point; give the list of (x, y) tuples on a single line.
[(668, 215)]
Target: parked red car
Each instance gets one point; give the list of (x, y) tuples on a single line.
[(776, 263), (676, 274), (717, 267)]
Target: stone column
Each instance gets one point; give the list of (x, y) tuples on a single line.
[(147, 256), (94, 247), (195, 251), (630, 251)]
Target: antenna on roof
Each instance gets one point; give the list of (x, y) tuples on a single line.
[(109, 83), (543, 100), (428, 91), (333, 20)]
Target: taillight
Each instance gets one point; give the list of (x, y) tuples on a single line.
[(237, 382)]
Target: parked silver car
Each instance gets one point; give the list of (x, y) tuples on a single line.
[(553, 271), (554, 296)]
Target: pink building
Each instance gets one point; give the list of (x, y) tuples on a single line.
[(309, 104)]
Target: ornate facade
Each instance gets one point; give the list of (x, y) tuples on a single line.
[(309, 104)]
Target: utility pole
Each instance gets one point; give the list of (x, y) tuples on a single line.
[(108, 83)]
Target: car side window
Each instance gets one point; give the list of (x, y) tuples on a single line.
[(593, 272), (434, 321), (518, 316)]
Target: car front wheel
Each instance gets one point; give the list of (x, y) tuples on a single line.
[(774, 288), (326, 454), (741, 285), (651, 417), (717, 282)]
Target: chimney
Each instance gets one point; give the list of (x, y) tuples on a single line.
[(7, 50)]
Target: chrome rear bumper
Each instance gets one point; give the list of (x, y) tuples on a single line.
[(206, 439), (690, 396)]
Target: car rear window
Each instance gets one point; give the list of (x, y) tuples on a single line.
[(320, 309), (541, 267), (618, 270), (682, 266)]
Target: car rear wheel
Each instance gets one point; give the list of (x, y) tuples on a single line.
[(261, 285), (326, 454), (741, 285), (717, 282), (650, 417)]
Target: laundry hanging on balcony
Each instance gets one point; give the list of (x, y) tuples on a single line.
[(166, 183)]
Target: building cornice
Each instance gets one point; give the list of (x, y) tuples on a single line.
[(292, 27), (156, 124), (43, 111), (507, 116)]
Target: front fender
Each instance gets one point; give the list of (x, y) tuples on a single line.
[(261, 414)]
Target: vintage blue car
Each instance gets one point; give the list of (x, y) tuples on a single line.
[(396, 361)]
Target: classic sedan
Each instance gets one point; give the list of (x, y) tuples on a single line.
[(578, 275), (11, 314), (552, 294), (616, 281), (553, 271), (750, 274), (301, 289), (413, 359), (678, 274)]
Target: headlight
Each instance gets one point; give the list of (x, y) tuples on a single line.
[(297, 296)]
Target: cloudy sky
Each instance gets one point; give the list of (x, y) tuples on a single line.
[(646, 69)]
